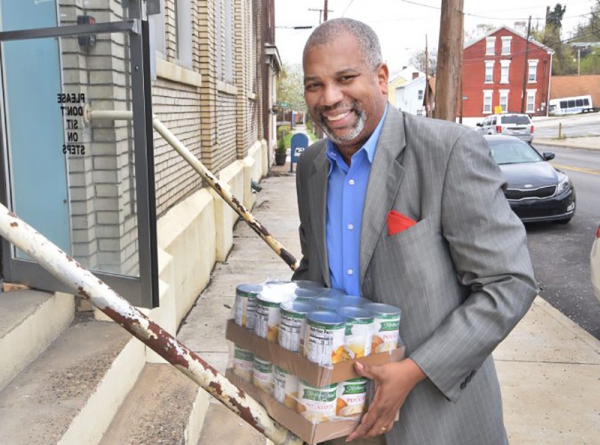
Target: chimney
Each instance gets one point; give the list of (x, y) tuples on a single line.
[(415, 75)]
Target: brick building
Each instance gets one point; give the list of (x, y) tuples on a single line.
[(494, 70)]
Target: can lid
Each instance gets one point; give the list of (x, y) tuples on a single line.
[(354, 300), (355, 312), (334, 293), (326, 317), (382, 309), (327, 303), (301, 307), (301, 292), (248, 290)]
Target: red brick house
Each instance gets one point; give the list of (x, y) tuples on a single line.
[(493, 73)]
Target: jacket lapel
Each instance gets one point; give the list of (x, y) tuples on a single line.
[(384, 183), (318, 191)]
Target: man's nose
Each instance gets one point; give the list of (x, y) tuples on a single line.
[(332, 95)]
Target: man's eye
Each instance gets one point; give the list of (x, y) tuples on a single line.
[(311, 86), (346, 79)]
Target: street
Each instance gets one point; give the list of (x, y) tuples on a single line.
[(561, 253)]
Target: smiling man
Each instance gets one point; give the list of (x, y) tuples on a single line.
[(410, 211)]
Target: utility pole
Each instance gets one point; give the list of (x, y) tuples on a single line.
[(525, 69), (426, 78), (449, 65), (322, 12), (325, 11)]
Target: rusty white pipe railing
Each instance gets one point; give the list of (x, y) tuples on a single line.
[(66, 269), (220, 188)]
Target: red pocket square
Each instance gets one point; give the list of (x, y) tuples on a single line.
[(397, 222)]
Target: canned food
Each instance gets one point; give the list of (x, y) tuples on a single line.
[(386, 327), (292, 327), (352, 397), (334, 293), (262, 375), (286, 387), (267, 320), (317, 404), (359, 332), (325, 333), (327, 303), (353, 300), (245, 304), (243, 363)]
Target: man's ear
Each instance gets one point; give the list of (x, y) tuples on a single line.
[(383, 77)]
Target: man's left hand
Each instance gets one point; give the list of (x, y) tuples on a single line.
[(393, 383)]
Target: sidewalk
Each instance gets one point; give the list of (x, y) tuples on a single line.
[(549, 368), (585, 142)]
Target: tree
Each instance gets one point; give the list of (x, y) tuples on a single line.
[(564, 60), (480, 30), (290, 87), (417, 59), (555, 16)]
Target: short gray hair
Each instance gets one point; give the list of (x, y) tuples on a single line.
[(364, 35)]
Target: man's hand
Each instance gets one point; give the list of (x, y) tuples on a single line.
[(393, 383)]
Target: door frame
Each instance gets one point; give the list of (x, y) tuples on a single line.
[(140, 291)]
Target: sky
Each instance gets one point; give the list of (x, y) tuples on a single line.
[(402, 25)]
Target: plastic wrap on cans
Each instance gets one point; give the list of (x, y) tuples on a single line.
[(286, 387), (307, 284), (243, 363), (334, 293), (309, 294), (325, 332), (386, 327), (317, 404), (292, 326), (245, 304), (327, 303), (359, 332), (354, 300), (262, 375), (352, 397), (268, 302)]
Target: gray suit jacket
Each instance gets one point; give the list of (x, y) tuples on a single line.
[(462, 275)]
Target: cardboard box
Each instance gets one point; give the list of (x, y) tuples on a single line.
[(297, 365), (305, 430)]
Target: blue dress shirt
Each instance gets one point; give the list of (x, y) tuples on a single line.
[(346, 191)]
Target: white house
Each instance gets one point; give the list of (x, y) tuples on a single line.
[(409, 96)]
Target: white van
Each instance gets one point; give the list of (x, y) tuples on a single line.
[(571, 105)]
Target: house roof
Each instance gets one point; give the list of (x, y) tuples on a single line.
[(411, 82), (568, 86), (517, 33)]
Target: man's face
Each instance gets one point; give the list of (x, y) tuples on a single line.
[(344, 95)]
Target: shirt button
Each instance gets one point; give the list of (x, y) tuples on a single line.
[(350, 226), (351, 182), (350, 272)]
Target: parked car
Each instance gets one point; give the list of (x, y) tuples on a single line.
[(511, 124), (595, 264), (536, 190)]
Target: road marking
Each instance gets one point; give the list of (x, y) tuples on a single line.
[(577, 169)]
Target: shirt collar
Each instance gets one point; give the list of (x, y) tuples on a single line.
[(369, 148)]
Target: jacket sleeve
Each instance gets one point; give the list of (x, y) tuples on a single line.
[(488, 246), (302, 273)]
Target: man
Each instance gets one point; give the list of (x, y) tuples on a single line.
[(410, 211)]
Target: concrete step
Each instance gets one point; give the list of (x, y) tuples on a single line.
[(29, 321), (164, 407), (222, 426), (70, 393)]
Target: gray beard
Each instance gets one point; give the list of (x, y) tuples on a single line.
[(352, 134)]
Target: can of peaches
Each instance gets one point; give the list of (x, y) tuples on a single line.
[(352, 397), (286, 387), (359, 332), (325, 331), (268, 309), (386, 327)]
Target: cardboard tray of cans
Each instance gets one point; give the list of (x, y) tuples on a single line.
[(299, 366), (301, 427)]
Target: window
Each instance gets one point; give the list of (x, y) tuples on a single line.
[(183, 32), (490, 46), (504, 100), (224, 30), (504, 70), (489, 72), (506, 41), (487, 101), (420, 95), (532, 76), (530, 101)]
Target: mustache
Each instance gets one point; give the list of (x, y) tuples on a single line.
[(354, 106)]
